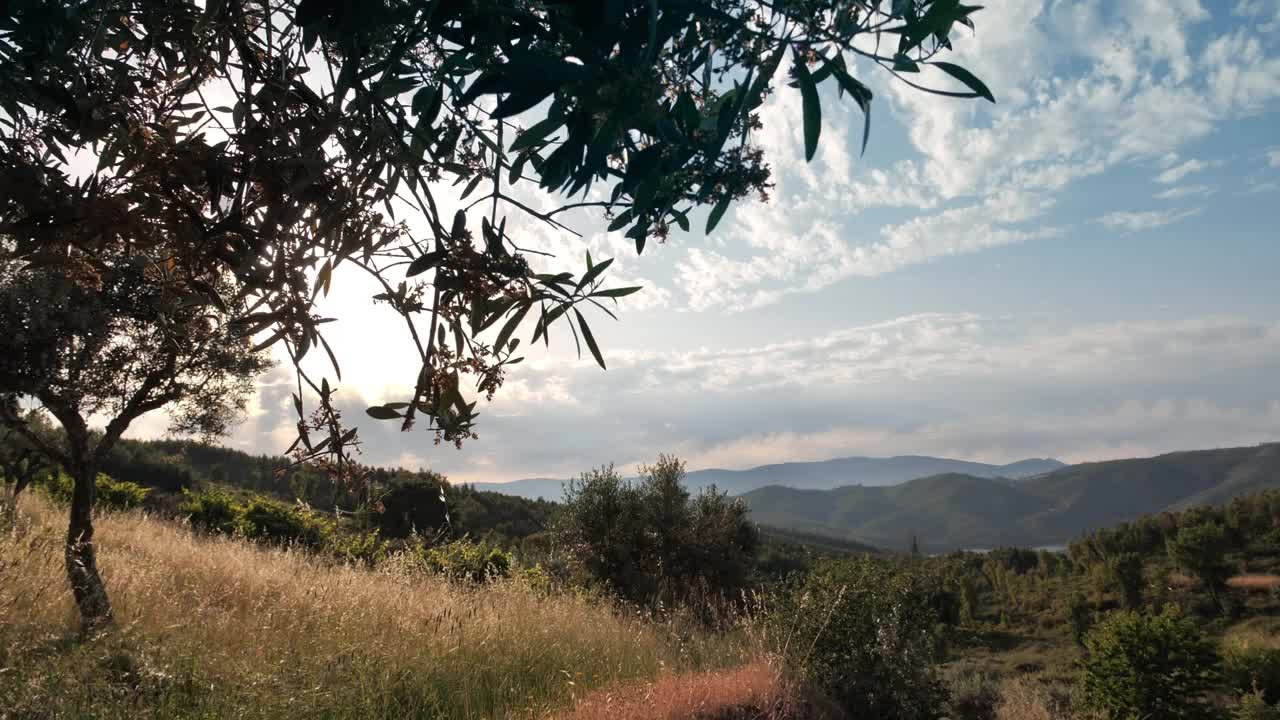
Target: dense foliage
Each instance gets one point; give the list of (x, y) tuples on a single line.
[(866, 633), (276, 142), (652, 542), (112, 494), (1250, 525), (1148, 665)]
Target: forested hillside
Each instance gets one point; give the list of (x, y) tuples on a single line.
[(821, 475), (963, 511), (408, 500)]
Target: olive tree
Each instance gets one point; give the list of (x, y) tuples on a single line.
[(272, 144), (126, 336), (283, 140), (652, 542)]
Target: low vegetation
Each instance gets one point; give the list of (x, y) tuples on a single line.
[(211, 626), (628, 600)]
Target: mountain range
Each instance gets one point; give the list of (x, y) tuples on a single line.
[(962, 510), (822, 475)]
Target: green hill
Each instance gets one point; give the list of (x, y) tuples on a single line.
[(820, 475), (955, 510)]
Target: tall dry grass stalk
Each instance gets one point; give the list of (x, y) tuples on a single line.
[(212, 627), (1029, 699)]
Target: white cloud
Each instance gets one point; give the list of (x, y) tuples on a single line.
[(1177, 172), (1273, 158), (1082, 87), (795, 252), (1136, 221), (958, 384), (1241, 75), (1121, 430), (1185, 191)]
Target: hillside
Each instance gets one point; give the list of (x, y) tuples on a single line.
[(420, 500), (822, 475), (965, 511), (214, 627)]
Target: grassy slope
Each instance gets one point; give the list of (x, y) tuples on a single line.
[(211, 627)]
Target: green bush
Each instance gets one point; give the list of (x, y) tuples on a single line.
[(1140, 666), (536, 578), (1250, 667), (363, 548), (1079, 616), (211, 510), (1253, 706), (466, 560), (653, 543), (111, 494), (276, 522), (1126, 571), (863, 633)]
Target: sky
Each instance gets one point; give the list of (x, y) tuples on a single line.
[(1087, 269)]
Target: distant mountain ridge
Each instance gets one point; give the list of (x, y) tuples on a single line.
[(954, 510), (819, 475)]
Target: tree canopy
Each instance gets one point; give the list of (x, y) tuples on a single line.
[(278, 141)]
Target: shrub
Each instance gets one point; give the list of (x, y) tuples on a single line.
[(974, 695), (211, 510), (1126, 570), (466, 560), (276, 522), (1251, 666), (1079, 616), (1142, 666), (1026, 699), (863, 633), (362, 548), (652, 542), (536, 578), (1201, 551), (112, 494), (1253, 706)]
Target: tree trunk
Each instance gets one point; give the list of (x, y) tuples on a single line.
[(82, 563)]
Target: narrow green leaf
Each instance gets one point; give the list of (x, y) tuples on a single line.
[(537, 133), (510, 326), (969, 79), (471, 186), (424, 263), (716, 213), (812, 109), (621, 221), (322, 279), (682, 219), (617, 292), (380, 412), (591, 341), (392, 87), (903, 63), (593, 273)]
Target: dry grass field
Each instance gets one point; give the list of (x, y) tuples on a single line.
[(215, 627)]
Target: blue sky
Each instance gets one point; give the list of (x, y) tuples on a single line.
[(1087, 269)]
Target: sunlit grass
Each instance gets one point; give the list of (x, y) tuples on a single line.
[(213, 627)]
